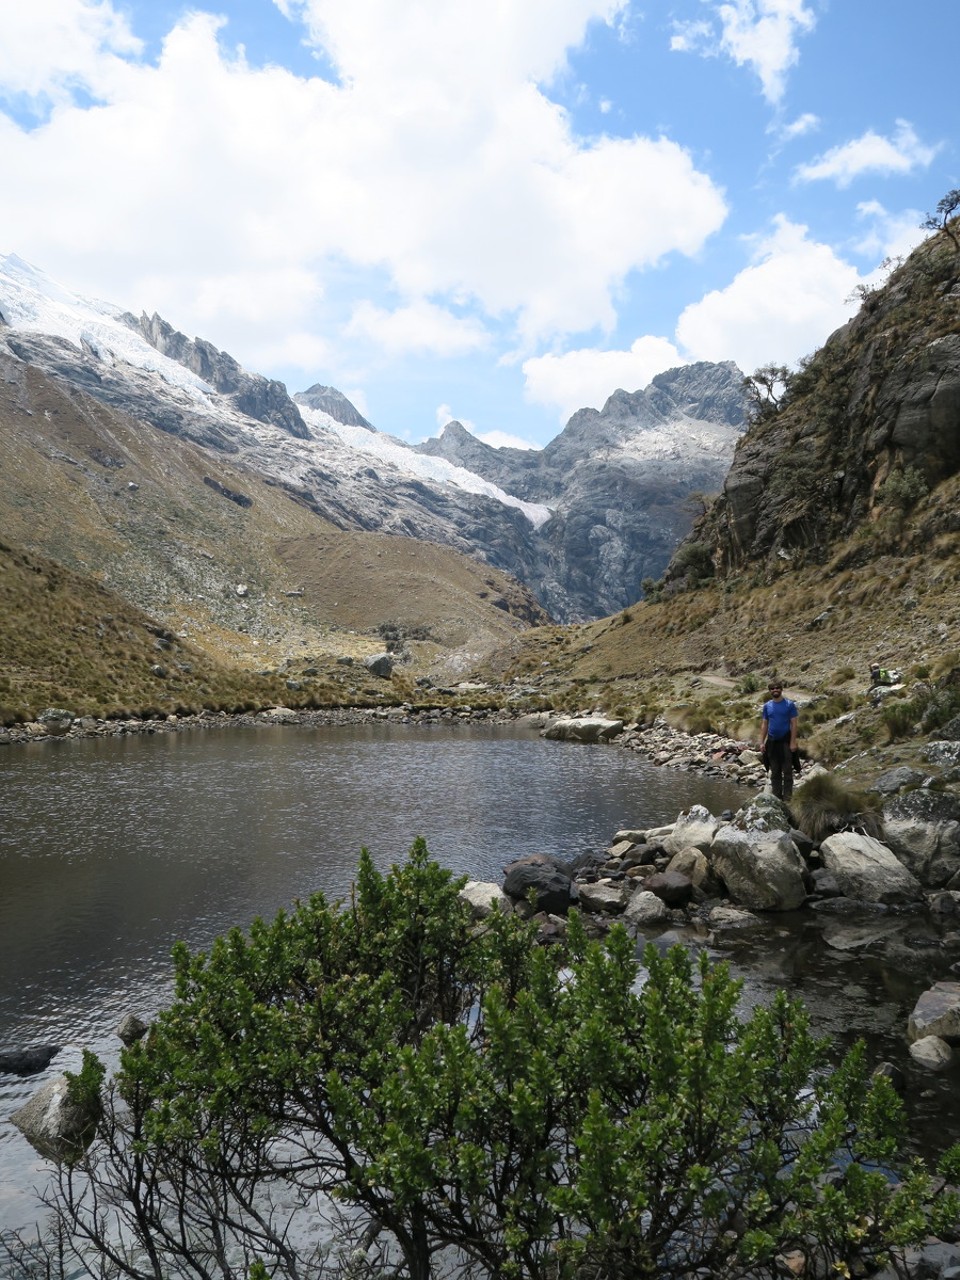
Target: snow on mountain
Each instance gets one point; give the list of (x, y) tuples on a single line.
[(30, 301), (396, 454)]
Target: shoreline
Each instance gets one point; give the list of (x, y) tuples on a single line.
[(706, 754)]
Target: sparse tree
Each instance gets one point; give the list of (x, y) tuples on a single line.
[(946, 213), (767, 389), (698, 502)]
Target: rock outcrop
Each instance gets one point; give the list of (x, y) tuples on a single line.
[(862, 432), (619, 480)]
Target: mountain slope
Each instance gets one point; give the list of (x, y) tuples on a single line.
[(867, 429), (835, 543), (580, 524), (202, 542), (619, 481)]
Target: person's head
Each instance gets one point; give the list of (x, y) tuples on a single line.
[(775, 689)]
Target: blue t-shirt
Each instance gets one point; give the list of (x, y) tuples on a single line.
[(778, 713)]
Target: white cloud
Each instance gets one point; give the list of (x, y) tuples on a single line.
[(51, 50), (503, 440), (422, 326), (759, 34), (870, 153), (437, 165), (887, 235), (799, 128), (776, 310), (586, 378), (694, 37)]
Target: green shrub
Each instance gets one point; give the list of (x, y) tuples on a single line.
[(903, 488), (899, 718), (536, 1113), (834, 704)]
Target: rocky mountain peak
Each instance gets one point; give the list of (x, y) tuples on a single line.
[(263, 399), (335, 403)]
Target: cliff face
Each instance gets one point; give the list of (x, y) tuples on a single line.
[(620, 481), (865, 430)]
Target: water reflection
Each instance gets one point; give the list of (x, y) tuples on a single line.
[(111, 850)]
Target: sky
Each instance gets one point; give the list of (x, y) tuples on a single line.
[(498, 211)]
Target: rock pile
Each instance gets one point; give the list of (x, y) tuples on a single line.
[(705, 878)]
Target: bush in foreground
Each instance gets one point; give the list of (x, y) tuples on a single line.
[(385, 1088)]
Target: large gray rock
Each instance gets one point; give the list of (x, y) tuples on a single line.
[(867, 870), (695, 865), (764, 813), (29, 1060), (923, 830), (52, 1124), (484, 898), (584, 729), (602, 897), (937, 1013), (694, 829), (380, 664), (931, 1052), (553, 890), (724, 919), (645, 909), (762, 870)]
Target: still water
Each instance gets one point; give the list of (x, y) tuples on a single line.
[(112, 849)]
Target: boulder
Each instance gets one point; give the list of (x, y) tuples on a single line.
[(52, 1124), (931, 1052), (56, 721), (694, 829), (923, 830), (583, 729), (764, 813), (944, 903), (380, 664), (483, 898), (937, 1013), (867, 870), (29, 1060), (894, 780), (761, 870), (602, 897), (672, 887), (945, 755), (553, 891), (723, 918), (695, 865), (645, 909)]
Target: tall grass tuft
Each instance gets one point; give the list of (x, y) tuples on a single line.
[(823, 805)]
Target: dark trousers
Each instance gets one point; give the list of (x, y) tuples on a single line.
[(781, 767)]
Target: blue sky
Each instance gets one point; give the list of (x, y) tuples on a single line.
[(494, 210)]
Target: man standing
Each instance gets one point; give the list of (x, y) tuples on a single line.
[(778, 733)]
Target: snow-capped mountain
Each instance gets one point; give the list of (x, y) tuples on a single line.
[(580, 523)]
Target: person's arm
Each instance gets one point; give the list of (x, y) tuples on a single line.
[(793, 733), (764, 728)]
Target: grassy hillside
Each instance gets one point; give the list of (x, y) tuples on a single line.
[(154, 523)]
